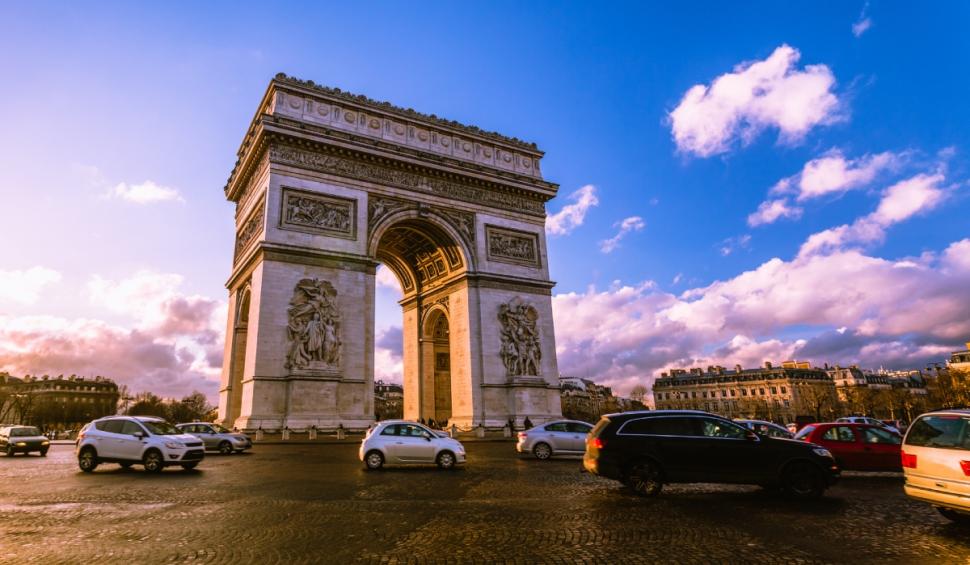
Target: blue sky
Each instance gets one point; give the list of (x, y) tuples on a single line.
[(100, 99)]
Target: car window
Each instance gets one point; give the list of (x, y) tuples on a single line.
[(130, 428), (939, 431), (577, 428), (879, 435), (557, 427), (673, 426), (391, 430), (203, 429), (24, 432), (805, 432), (161, 428), (412, 430), (710, 427), (110, 426), (839, 433)]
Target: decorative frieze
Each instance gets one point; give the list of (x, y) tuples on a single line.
[(464, 222), (313, 329), (251, 228), (316, 213), (512, 246), (381, 174), (521, 352), (379, 207)]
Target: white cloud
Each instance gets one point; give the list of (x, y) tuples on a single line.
[(897, 313), (863, 23), (147, 192), (834, 173), (572, 215), (633, 223), (387, 279), (899, 202), (772, 210), (732, 244), (757, 95), (25, 286)]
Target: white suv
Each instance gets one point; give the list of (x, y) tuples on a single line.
[(150, 441), (936, 462), (403, 442)]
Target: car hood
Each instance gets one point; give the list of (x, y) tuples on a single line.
[(794, 443), (185, 438)]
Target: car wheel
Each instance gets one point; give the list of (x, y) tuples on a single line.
[(10, 451), (43, 453), (153, 462), (446, 460), (374, 460), (542, 451), (954, 516), (225, 448), (803, 480), (645, 479), (87, 460), (190, 466)]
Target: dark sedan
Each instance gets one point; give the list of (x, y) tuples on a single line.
[(23, 439)]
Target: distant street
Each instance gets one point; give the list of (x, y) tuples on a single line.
[(316, 504)]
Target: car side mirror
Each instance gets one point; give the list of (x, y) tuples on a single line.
[(426, 436), (751, 436), (139, 435)]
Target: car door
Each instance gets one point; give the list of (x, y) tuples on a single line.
[(577, 436), (880, 449), (208, 436), (842, 441), (671, 440), (414, 445), (390, 441), (558, 436), (732, 453), (128, 444), (108, 438)]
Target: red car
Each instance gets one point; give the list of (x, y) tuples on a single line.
[(856, 447)]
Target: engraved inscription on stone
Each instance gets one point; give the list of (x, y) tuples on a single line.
[(512, 246), (521, 353), (313, 329), (250, 230), (305, 211)]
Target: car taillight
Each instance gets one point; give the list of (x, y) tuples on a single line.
[(909, 460), (965, 465), (523, 435), (597, 443)]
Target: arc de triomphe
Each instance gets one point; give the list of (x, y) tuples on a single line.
[(328, 186)]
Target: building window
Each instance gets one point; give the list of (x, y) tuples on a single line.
[(774, 390), (723, 394), (733, 392), (787, 404), (784, 390), (744, 392), (761, 391), (693, 394)]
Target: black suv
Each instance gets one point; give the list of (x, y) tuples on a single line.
[(647, 449)]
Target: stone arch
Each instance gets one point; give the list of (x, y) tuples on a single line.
[(237, 352)]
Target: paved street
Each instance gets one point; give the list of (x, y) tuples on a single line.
[(315, 503)]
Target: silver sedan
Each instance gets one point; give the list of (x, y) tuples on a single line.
[(215, 436), (563, 437)]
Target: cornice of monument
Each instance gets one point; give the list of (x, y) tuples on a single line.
[(372, 128)]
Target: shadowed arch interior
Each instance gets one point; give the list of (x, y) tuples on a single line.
[(421, 254)]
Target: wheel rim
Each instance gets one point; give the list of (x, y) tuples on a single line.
[(152, 462), (543, 451), (374, 460), (86, 460), (225, 448), (802, 480), (447, 460), (644, 479)]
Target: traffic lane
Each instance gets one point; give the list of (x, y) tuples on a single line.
[(300, 503)]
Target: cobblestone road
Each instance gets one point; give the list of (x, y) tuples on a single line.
[(316, 504)]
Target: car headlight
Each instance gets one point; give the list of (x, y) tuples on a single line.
[(822, 452), (45, 443), (174, 445), (21, 444)]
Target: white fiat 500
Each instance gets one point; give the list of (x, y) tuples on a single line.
[(399, 442), (936, 461)]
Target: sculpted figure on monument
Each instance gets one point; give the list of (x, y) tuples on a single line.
[(317, 213), (520, 351), (314, 327)]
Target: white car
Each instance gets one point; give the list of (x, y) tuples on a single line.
[(870, 421), (127, 440), (936, 462), (400, 442)]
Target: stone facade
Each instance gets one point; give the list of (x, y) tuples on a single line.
[(327, 186)]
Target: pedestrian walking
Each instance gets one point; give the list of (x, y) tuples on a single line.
[(527, 423)]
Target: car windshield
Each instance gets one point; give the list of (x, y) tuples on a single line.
[(161, 428), (24, 432)]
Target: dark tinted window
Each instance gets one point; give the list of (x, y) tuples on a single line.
[(879, 435), (557, 427), (839, 433), (24, 432), (110, 426), (664, 426), (577, 428), (131, 428), (939, 431), (391, 430), (709, 427)]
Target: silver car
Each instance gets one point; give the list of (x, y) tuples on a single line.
[(563, 437), (217, 437)]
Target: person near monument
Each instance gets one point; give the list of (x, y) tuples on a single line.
[(527, 423)]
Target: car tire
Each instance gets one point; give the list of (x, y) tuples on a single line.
[(446, 460), (803, 480), (958, 518), (374, 460), (87, 460), (645, 478), (542, 451), (43, 453), (10, 451), (190, 466), (153, 462), (225, 448)]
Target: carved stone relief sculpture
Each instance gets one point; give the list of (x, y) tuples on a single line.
[(512, 246), (310, 212), (250, 230), (521, 352), (313, 329)]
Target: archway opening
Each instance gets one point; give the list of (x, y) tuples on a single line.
[(437, 365), (238, 359)]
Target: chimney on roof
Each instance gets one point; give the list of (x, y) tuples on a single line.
[(767, 364), (737, 368)]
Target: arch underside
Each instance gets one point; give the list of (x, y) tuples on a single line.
[(420, 254)]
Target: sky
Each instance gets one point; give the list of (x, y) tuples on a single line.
[(739, 182)]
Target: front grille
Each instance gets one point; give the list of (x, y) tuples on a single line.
[(193, 444), (194, 455)]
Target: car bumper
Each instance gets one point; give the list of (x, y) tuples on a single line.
[(938, 497), (602, 467), (183, 456), (28, 447)]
